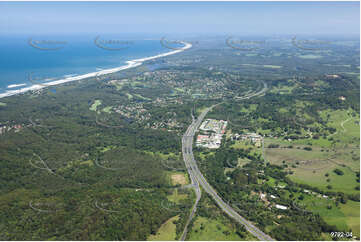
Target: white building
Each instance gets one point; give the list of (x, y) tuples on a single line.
[(281, 207)]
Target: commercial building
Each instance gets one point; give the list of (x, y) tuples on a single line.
[(211, 133)]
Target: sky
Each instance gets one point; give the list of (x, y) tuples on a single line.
[(248, 18)]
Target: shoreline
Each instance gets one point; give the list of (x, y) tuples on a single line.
[(129, 64)]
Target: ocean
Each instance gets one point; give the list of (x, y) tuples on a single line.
[(25, 59)]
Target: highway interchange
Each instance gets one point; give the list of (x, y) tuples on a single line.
[(198, 179)]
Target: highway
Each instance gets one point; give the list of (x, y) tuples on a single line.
[(253, 94), (198, 179), (197, 190)]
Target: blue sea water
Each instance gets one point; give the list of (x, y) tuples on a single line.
[(57, 57)]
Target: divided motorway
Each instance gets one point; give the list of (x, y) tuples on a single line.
[(194, 183), (198, 179)]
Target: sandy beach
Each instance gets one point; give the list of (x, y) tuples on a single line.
[(129, 64)]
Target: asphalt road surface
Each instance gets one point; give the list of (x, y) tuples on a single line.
[(196, 186), (198, 179)]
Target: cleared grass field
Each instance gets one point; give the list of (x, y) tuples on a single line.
[(277, 155), (239, 144), (352, 212), (94, 106), (349, 157), (282, 89), (205, 229), (321, 142), (241, 162), (343, 217), (107, 109), (178, 178), (166, 232), (176, 196), (345, 183), (347, 126), (310, 167)]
